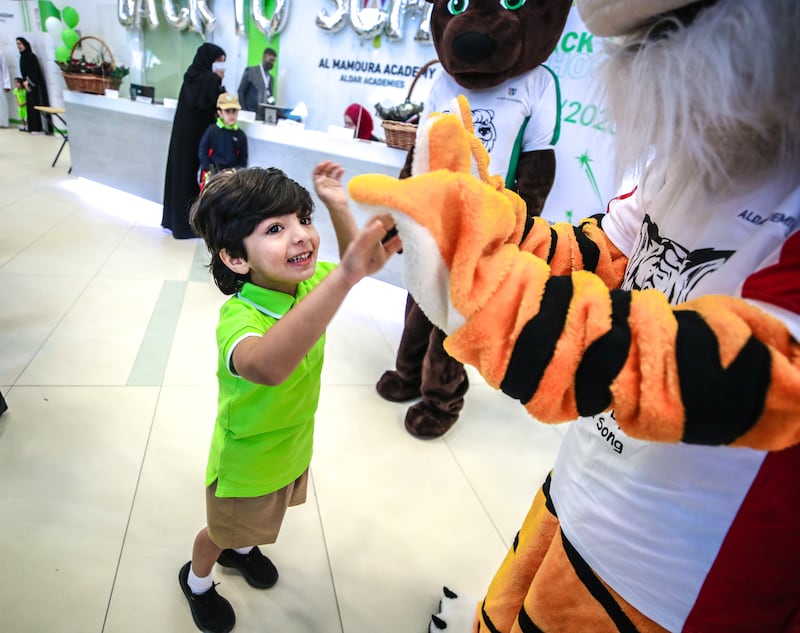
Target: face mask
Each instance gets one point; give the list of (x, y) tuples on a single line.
[(268, 65), (218, 67)]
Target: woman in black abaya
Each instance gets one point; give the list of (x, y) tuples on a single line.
[(35, 85), (196, 110)]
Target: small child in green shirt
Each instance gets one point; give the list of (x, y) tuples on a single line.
[(258, 228), (21, 96)]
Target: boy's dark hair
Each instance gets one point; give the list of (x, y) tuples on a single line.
[(233, 203), (269, 50), (19, 79)]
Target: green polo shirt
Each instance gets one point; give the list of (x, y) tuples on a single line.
[(263, 436)]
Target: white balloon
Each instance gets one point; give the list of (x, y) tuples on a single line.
[(54, 27)]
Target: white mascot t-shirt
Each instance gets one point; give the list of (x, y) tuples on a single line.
[(498, 113)]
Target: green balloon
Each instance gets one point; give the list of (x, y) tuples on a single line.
[(63, 54), (70, 38), (70, 17)]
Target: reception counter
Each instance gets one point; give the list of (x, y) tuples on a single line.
[(124, 144)]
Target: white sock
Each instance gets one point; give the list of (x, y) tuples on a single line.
[(243, 550), (199, 585)]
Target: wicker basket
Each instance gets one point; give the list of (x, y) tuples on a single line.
[(403, 135), (85, 82), (400, 135)]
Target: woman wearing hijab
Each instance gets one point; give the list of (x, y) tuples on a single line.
[(196, 110), (35, 85), (356, 117)]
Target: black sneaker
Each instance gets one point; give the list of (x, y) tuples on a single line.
[(257, 569), (210, 611)]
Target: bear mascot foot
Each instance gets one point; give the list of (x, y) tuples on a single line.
[(456, 614), (393, 388), (426, 422)]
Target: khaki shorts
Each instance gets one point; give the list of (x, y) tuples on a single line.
[(241, 521)]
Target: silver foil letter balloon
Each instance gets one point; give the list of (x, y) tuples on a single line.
[(125, 9), (399, 11), (333, 22), (367, 22), (176, 18), (424, 31), (130, 13), (146, 10), (207, 16), (271, 26), (238, 13)]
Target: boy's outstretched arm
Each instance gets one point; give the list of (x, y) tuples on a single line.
[(327, 177)]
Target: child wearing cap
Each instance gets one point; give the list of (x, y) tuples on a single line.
[(223, 144)]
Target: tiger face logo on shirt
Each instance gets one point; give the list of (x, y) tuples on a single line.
[(658, 262)]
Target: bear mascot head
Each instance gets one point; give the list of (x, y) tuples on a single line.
[(482, 43)]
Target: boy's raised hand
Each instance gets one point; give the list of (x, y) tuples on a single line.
[(370, 249), (327, 177)]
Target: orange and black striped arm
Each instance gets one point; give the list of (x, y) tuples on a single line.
[(541, 316), (714, 370)]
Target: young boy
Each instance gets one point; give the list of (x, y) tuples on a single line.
[(258, 228), (223, 144), (21, 96)]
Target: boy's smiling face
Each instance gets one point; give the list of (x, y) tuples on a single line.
[(229, 116), (281, 252)]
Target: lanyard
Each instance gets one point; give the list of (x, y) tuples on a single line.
[(267, 92)]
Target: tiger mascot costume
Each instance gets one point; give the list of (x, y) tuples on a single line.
[(667, 329)]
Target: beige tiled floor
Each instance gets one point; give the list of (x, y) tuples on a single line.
[(107, 363)]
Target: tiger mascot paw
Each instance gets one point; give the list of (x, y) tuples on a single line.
[(456, 614), (451, 215)]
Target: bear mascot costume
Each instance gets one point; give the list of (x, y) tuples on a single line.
[(666, 330), (492, 52)]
